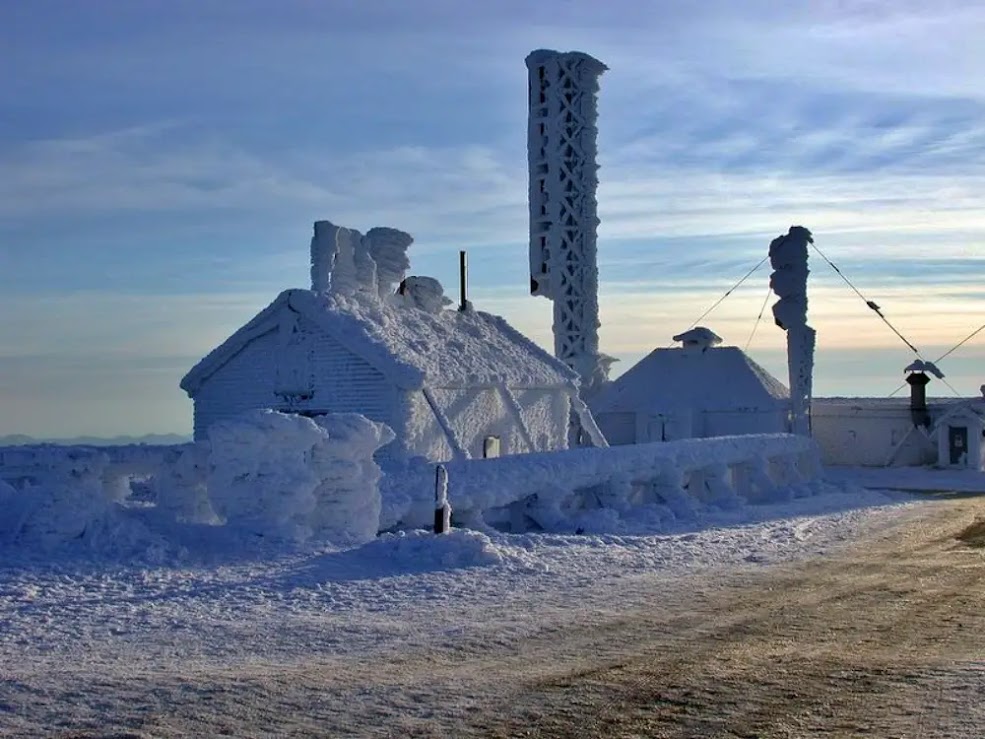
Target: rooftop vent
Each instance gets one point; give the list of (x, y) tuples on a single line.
[(698, 339)]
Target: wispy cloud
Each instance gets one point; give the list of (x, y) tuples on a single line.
[(161, 167)]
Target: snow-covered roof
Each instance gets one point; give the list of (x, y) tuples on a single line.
[(412, 347), (716, 379)]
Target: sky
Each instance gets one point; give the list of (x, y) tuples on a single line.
[(161, 164)]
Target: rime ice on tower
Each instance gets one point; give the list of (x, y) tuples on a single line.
[(561, 151), (788, 257)]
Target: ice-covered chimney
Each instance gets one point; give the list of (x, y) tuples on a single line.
[(323, 247)]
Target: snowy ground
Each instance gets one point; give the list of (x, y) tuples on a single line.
[(915, 479), (85, 623)]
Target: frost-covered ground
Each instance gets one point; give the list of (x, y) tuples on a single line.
[(227, 605)]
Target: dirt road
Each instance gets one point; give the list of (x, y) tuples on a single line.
[(885, 639)]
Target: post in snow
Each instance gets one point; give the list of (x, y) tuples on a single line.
[(788, 257), (442, 509)]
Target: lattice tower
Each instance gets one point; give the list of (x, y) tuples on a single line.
[(561, 151)]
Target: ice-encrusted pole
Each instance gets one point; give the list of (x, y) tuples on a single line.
[(442, 509), (788, 257), (323, 249), (561, 158)]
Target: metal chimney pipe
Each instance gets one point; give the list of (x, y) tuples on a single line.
[(463, 278), (918, 398)]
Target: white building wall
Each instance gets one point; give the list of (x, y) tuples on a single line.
[(726, 423), (474, 414), (861, 435), (340, 382), (420, 434), (546, 413), (642, 428), (618, 428)]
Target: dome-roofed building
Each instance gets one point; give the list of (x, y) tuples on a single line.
[(699, 389)]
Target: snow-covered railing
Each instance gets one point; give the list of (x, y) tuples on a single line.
[(33, 464), (268, 474), (551, 484)]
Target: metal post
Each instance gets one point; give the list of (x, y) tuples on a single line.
[(442, 509), (463, 278)]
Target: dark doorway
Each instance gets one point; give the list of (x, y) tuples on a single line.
[(957, 444)]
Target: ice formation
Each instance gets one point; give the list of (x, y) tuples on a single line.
[(788, 257), (921, 365), (561, 151), (344, 262), (293, 478)]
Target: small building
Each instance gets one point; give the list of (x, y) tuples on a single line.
[(896, 432), (872, 432), (450, 383), (697, 390), (959, 437)]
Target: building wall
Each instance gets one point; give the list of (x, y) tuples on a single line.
[(329, 378), (546, 413), (726, 423), (338, 381), (617, 428), (641, 428), (866, 435), (477, 413), (421, 435)]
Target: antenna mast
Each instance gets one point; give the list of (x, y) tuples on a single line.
[(561, 152)]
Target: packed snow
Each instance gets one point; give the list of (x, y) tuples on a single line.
[(224, 596), (96, 592)]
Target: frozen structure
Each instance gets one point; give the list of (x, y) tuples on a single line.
[(698, 390), (561, 156), (788, 257), (365, 339), (296, 478), (894, 432)]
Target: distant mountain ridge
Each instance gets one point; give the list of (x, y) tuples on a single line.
[(162, 439)]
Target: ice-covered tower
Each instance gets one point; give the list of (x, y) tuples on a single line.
[(561, 154), (788, 257)]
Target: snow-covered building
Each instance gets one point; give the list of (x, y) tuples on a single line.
[(450, 383), (694, 391), (882, 432)]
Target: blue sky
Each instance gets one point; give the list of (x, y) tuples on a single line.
[(161, 164)]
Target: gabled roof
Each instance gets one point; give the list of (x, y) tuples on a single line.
[(972, 410), (715, 379), (413, 348)]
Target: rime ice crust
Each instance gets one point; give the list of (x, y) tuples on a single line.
[(788, 257), (561, 154)]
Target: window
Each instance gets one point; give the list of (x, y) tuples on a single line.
[(490, 447)]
